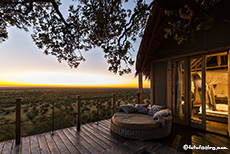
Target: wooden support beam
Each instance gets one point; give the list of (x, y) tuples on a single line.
[(140, 92), (152, 82), (169, 84), (187, 87), (217, 54), (198, 53), (228, 95), (213, 67), (204, 92), (218, 60), (196, 63), (174, 90)]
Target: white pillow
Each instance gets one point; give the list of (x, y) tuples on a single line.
[(155, 108), (162, 113)]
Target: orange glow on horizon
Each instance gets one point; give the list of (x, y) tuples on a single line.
[(10, 84)]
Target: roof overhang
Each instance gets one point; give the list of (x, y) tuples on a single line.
[(152, 38)]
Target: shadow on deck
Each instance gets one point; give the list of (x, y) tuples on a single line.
[(98, 139)]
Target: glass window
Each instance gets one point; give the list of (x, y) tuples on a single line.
[(196, 90)]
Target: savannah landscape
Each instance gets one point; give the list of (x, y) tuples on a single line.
[(39, 105)]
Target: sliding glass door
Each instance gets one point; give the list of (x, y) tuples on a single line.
[(197, 90), (201, 92), (188, 92), (217, 93)]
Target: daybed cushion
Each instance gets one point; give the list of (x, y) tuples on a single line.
[(155, 108), (128, 108), (162, 113), (142, 108), (135, 121)]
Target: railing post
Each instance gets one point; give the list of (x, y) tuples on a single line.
[(53, 120), (78, 105), (140, 89), (18, 121), (113, 104), (98, 110), (138, 98)]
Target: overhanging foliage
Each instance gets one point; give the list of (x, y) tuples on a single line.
[(100, 23)]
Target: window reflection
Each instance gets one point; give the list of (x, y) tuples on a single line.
[(196, 89)]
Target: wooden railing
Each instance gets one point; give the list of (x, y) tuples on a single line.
[(78, 112), (18, 121)]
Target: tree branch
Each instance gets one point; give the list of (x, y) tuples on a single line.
[(58, 12), (131, 21), (30, 8)]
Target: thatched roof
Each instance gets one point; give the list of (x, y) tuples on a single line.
[(152, 38), (153, 41)]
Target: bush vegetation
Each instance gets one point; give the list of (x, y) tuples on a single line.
[(38, 103)]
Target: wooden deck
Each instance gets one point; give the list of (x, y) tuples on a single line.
[(98, 139)]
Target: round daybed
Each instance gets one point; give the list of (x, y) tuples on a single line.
[(140, 126)]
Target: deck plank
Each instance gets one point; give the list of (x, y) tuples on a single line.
[(99, 136), (7, 147), (61, 146), (130, 143), (75, 142), (97, 129), (43, 147), (175, 144), (97, 146), (34, 145), (220, 140), (26, 145), (211, 140), (94, 138), (83, 142), (107, 130), (67, 142), (105, 125), (51, 144), (97, 140), (115, 136), (100, 128), (1, 146), (16, 149)]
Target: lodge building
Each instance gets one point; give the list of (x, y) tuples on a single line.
[(192, 79)]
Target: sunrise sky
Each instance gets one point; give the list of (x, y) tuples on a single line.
[(23, 64)]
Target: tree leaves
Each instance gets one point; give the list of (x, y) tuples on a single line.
[(99, 23), (105, 24), (182, 30)]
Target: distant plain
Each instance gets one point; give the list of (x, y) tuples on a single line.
[(37, 107)]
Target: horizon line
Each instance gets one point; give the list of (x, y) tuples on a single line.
[(26, 85)]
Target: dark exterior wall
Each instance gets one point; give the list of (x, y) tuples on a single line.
[(160, 74), (216, 38)]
